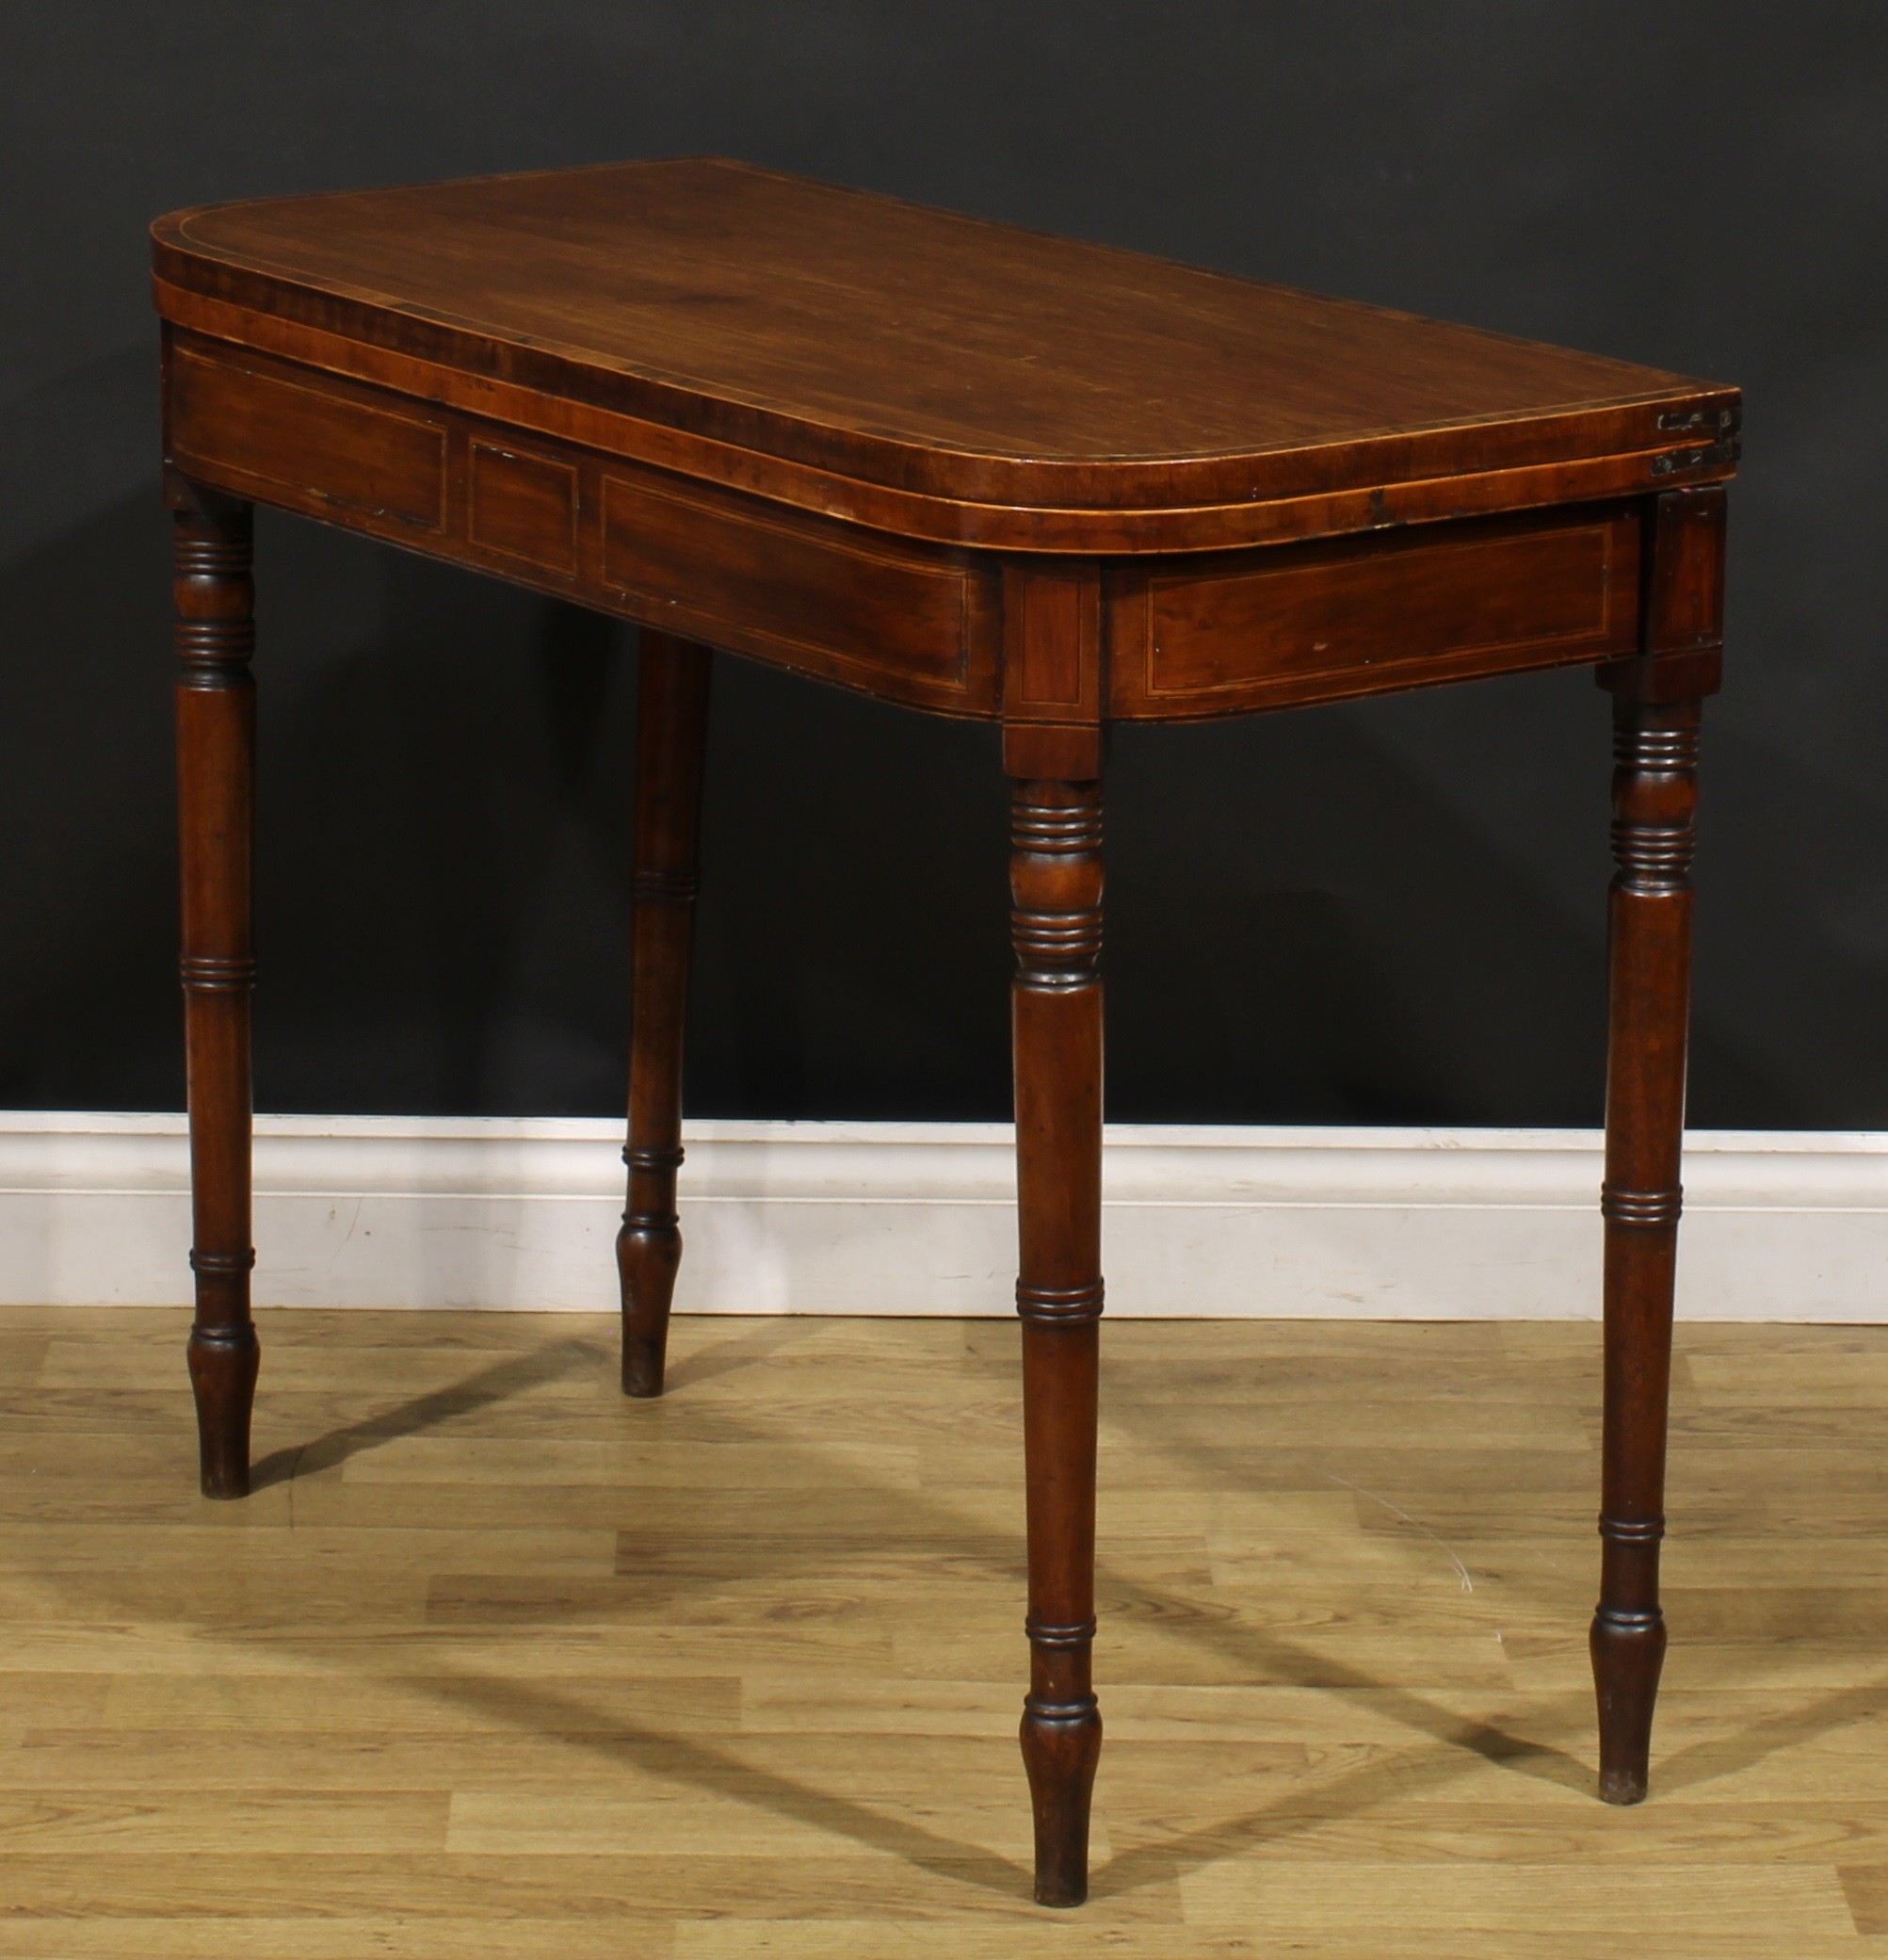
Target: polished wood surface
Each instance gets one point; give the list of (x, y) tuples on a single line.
[(1202, 635), (899, 619), (215, 607), (495, 1663), (1656, 713), (928, 372), (1173, 635), (1055, 1017), (762, 414), (672, 733)]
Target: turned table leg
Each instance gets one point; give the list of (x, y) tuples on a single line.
[(1655, 793), (671, 731), (215, 786), (1056, 883)]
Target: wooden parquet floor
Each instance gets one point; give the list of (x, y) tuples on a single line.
[(495, 1663)]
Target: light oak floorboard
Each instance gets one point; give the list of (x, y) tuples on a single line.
[(497, 1663)]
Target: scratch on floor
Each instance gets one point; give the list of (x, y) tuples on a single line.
[(1415, 1524)]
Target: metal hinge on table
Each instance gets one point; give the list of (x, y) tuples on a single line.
[(1723, 426)]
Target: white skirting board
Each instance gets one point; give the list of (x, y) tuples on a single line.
[(906, 1218)]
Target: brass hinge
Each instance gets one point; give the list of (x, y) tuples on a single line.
[(1724, 426)]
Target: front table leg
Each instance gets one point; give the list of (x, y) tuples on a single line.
[(1055, 884), (1655, 794), (671, 733), (215, 789)]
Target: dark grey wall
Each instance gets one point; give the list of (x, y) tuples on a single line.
[(1385, 913)]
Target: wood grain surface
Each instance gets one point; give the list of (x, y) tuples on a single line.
[(495, 1662), (1177, 636), (814, 337), (1199, 636)]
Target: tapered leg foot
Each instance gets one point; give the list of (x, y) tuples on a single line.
[(223, 1366), (647, 1261), (1628, 1651), (1060, 1749), (671, 735)]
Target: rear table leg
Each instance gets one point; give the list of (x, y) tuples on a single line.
[(216, 793), (671, 731)]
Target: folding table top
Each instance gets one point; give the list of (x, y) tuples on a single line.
[(813, 333)]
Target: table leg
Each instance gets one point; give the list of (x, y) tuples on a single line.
[(1056, 883), (1655, 794), (215, 787), (672, 732)]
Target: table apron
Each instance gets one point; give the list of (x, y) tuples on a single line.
[(913, 623), (1411, 607), (1184, 636)]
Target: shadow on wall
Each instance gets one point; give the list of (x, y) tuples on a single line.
[(1333, 915)]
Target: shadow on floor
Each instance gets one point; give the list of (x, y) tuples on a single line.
[(484, 1389), (1456, 1742)]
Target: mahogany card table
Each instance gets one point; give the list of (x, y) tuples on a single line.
[(979, 472)]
